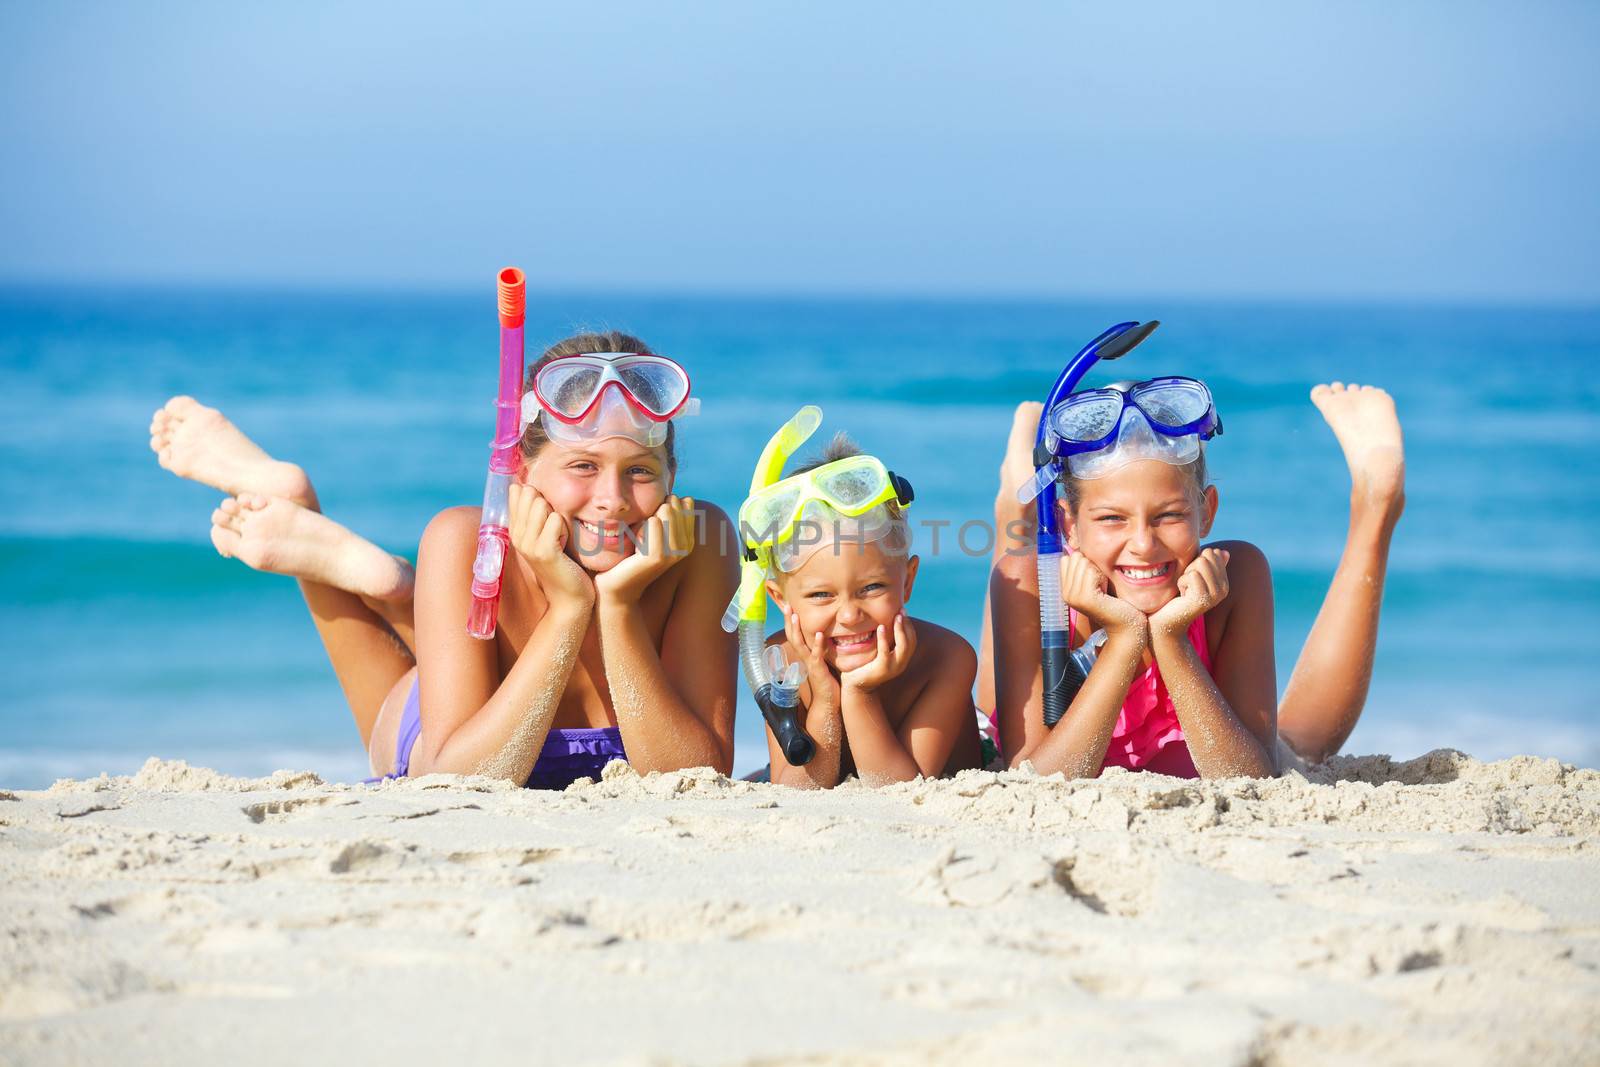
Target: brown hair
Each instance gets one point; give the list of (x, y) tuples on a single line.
[(534, 438)]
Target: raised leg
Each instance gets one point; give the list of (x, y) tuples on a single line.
[(1009, 517), (352, 587), (1329, 685), (1012, 662), (360, 597)]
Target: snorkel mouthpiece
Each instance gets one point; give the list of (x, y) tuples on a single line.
[(778, 699)]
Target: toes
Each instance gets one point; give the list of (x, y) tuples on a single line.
[(225, 541), (227, 517), (181, 406)]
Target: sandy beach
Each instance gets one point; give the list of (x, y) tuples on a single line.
[(1441, 910)]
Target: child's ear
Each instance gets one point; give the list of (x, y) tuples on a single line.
[(1208, 509), (775, 591), (911, 577)]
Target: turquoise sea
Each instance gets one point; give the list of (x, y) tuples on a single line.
[(126, 636)]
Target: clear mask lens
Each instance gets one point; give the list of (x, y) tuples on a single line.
[(852, 485), (1173, 403), (657, 386), (766, 516), (1086, 418), (569, 387)]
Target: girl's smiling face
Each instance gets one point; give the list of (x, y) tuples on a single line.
[(1141, 526), (847, 590), (602, 486)]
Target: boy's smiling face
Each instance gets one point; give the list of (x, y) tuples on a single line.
[(1142, 526), (846, 590)]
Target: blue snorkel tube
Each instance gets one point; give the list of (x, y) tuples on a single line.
[(1062, 677)]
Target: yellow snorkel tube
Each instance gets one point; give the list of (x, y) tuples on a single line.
[(776, 684)]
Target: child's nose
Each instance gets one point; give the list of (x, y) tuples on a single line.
[(608, 495), (849, 614), (1142, 537)]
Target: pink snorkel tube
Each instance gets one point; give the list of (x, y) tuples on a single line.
[(494, 537)]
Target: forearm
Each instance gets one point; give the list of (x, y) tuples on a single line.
[(824, 724), (659, 731), (1076, 746), (503, 739), (1220, 745), (879, 756)]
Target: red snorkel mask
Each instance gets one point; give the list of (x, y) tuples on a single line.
[(609, 394)]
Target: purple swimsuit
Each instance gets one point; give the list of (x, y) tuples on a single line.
[(567, 754)]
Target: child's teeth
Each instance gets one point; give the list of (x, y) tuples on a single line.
[(1145, 572)]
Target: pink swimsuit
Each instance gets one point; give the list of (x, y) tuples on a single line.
[(1147, 736)]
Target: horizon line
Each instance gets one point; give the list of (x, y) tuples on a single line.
[(803, 293)]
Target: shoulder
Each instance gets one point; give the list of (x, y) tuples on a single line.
[(716, 549), (714, 515), (1249, 595), (945, 653), (1248, 569), (708, 575), (448, 545), (714, 531), (452, 525), (450, 534)]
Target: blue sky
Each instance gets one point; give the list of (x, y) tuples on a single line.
[(1274, 150)]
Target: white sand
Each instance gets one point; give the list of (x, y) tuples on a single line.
[(1437, 911)]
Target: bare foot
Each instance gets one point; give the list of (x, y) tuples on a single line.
[(1363, 419), (281, 537), (200, 444), (1017, 468)]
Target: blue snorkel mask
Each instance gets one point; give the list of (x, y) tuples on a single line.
[(1063, 678), (1103, 430)]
